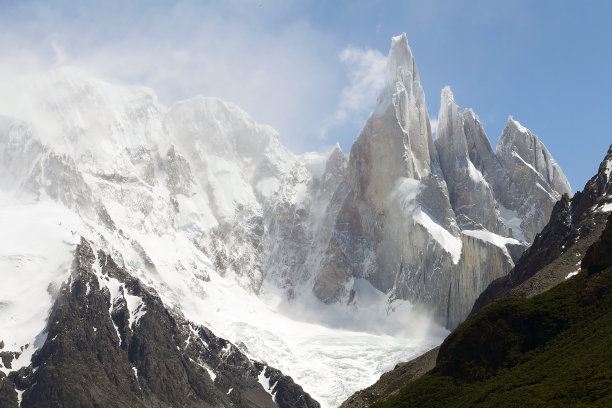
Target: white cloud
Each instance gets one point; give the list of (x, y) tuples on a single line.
[(434, 125), (60, 54), (261, 56), (366, 72)]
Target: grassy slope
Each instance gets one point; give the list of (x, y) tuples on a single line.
[(554, 349)]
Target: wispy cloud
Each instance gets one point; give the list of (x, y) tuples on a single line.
[(434, 125), (262, 56), (366, 72)]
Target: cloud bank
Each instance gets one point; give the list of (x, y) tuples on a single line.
[(261, 56)]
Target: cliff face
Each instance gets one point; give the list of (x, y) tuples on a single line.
[(459, 142), (433, 222)]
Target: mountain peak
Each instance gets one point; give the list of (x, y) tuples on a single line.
[(400, 61), (513, 123), (449, 112), (447, 96)]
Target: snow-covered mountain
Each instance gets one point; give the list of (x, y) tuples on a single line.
[(328, 267), (199, 203)]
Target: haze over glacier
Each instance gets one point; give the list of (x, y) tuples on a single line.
[(331, 267)]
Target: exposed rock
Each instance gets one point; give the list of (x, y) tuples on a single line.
[(8, 395), (599, 255), (471, 196), (202, 177), (7, 357), (389, 183), (286, 393), (179, 178)]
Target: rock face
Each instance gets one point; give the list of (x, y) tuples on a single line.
[(471, 196), (599, 255), (397, 212), (111, 342), (574, 225), (433, 222)]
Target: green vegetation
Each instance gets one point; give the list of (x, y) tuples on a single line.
[(553, 350)]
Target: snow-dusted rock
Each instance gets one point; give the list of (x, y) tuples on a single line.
[(471, 196), (395, 204), (536, 181), (407, 200)]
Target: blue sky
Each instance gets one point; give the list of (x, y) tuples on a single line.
[(312, 69)]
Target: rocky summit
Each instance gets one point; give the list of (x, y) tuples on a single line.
[(434, 221)]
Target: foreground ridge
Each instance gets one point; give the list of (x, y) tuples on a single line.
[(110, 341)]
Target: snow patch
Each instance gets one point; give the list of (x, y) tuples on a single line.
[(492, 238), (518, 125), (315, 162), (19, 396), (518, 156), (605, 208), (267, 384), (512, 220), (569, 275), (268, 186), (136, 307), (135, 304), (407, 191), (475, 174), (210, 372), (36, 244), (447, 241), (541, 187)]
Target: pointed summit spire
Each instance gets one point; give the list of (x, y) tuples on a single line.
[(402, 70), (400, 60)]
